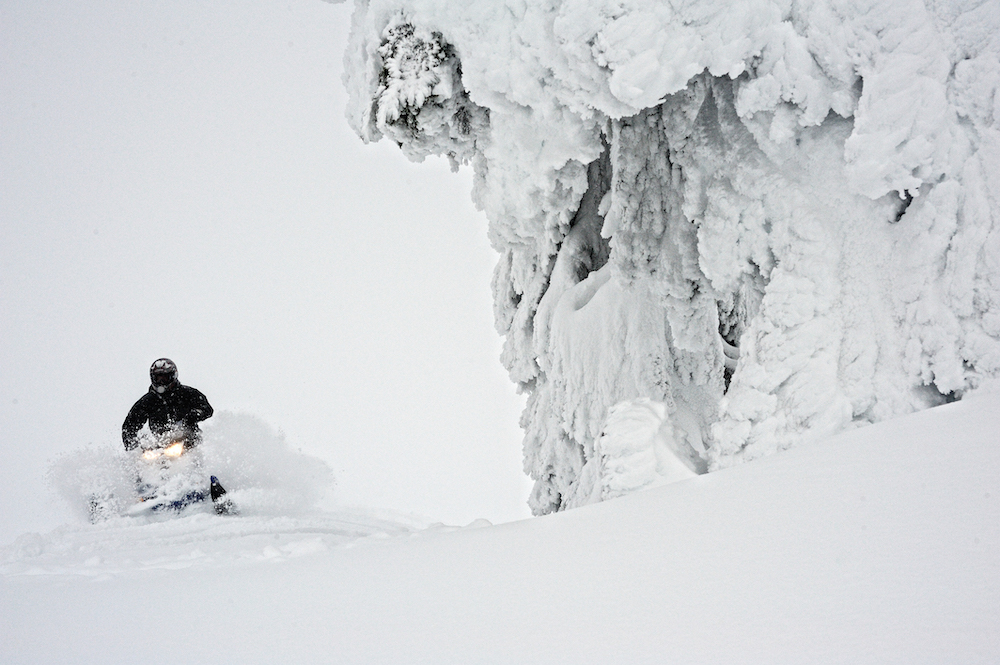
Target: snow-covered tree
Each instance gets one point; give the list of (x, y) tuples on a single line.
[(724, 228)]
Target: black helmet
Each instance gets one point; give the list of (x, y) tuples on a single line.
[(163, 374)]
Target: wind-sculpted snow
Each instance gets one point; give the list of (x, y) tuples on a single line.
[(777, 219)]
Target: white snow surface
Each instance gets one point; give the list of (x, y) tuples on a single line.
[(778, 218), (880, 545)]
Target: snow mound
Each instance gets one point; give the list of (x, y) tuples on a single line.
[(640, 448)]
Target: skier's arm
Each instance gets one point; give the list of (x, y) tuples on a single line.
[(200, 408), (134, 421)]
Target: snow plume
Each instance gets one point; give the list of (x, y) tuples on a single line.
[(95, 473), (772, 220), (262, 474)]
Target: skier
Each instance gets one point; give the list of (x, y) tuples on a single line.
[(168, 405)]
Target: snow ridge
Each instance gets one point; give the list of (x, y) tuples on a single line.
[(776, 219)]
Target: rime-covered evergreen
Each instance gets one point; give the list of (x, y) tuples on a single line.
[(761, 223)]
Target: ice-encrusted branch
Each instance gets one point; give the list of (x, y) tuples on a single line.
[(420, 102)]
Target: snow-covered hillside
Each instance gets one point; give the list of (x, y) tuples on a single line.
[(776, 220), (881, 545), (757, 239)]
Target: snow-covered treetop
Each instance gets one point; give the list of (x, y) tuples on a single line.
[(766, 220), (579, 62)]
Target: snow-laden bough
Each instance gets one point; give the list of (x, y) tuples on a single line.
[(775, 219)]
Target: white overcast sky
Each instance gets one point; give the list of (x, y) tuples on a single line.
[(177, 179)]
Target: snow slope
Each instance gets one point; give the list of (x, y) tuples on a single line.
[(880, 545)]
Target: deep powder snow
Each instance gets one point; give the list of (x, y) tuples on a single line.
[(877, 546)]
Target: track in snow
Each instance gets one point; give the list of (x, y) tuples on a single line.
[(199, 540)]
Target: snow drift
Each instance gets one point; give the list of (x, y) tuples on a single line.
[(878, 546), (776, 219)]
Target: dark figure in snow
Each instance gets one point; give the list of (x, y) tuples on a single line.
[(168, 405)]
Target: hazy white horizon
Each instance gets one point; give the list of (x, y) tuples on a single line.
[(179, 181)]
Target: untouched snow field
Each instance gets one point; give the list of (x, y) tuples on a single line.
[(881, 545)]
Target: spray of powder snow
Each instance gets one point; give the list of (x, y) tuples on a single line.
[(262, 474), (93, 473)]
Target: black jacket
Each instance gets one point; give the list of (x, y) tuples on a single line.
[(180, 406)]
